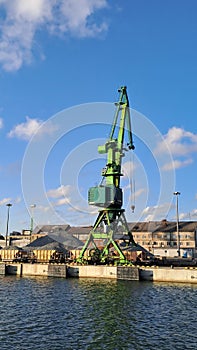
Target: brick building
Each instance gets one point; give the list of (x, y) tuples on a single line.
[(160, 237)]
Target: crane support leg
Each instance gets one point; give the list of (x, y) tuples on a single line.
[(102, 240)]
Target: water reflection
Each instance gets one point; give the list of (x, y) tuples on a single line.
[(46, 313)]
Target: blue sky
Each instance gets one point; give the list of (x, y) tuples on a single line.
[(60, 55)]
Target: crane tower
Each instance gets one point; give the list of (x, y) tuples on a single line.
[(111, 221)]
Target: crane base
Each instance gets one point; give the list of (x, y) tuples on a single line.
[(110, 227)]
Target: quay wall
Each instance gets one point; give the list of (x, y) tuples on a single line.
[(63, 270), (154, 274), (102, 271), (99, 271), (58, 270), (167, 274)]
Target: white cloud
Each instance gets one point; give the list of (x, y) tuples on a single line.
[(85, 210), (156, 212), (43, 209), (136, 193), (128, 168), (76, 17), (4, 201), (24, 18), (65, 195), (1, 123), (183, 216), (187, 216), (63, 190), (177, 164), (139, 192), (62, 201), (7, 200), (26, 130), (17, 200), (193, 213), (181, 143)]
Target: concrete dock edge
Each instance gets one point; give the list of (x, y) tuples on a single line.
[(48, 270), (102, 271), (132, 273), (168, 274)]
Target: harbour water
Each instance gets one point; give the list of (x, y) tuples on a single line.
[(86, 314)]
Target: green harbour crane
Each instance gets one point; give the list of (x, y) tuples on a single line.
[(108, 195)]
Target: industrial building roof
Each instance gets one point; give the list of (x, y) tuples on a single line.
[(63, 233), (163, 226), (49, 228)]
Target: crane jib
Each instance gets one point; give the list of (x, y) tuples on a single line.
[(114, 147)]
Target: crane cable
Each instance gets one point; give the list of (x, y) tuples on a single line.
[(132, 182)]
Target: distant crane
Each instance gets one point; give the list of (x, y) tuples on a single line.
[(111, 221)]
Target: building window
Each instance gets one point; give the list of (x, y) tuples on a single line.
[(166, 235)]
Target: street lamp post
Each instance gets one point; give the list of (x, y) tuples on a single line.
[(32, 206), (177, 222), (7, 226)]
